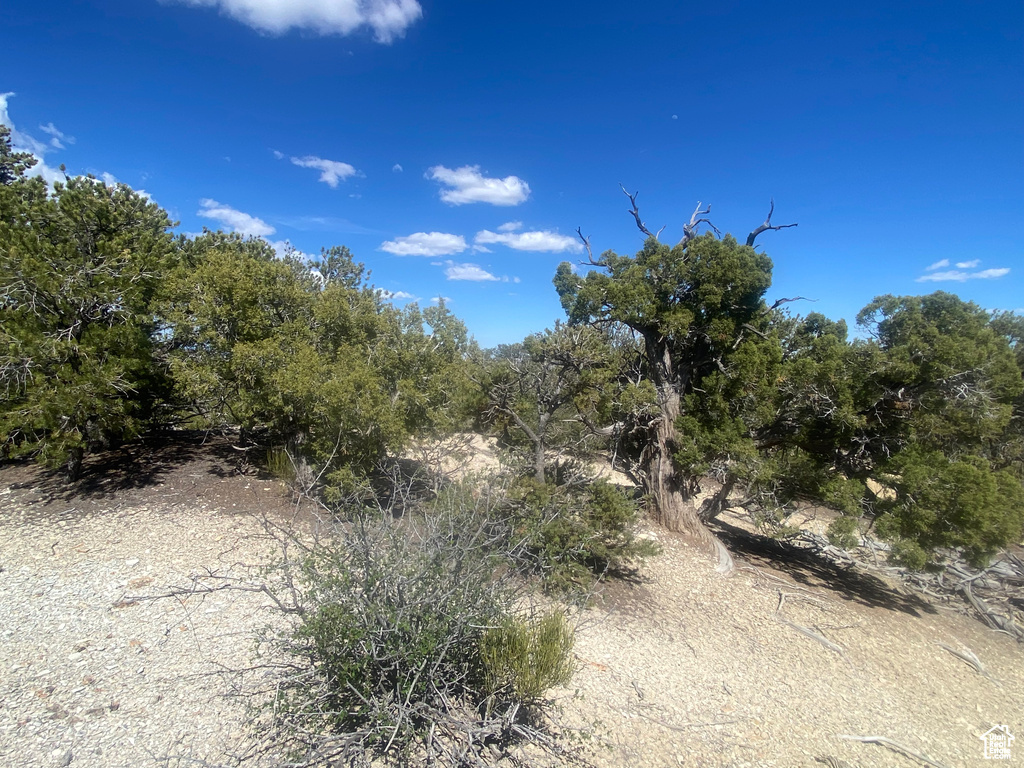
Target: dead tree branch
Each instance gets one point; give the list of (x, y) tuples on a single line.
[(690, 229), (807, 631), (766, 226), (635, 212), (968, 656), (590, 254)]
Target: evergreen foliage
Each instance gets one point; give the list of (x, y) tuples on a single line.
[(698, 309), (109, 326), (549, 390), (782, 409), (925, 407), (80, 268), (309, 355), (572, 534)]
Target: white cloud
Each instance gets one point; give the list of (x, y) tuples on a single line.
[(278, 154), (109, 179), (284, 248), (387, 18), (397, 168), (471, 272), (468, 185), (396, 295), (233, 219), (425, 244), (541, 241), (24, 142), (331, 171), (511, 226), (57, 138), (968, 264), (474, 273), (439, 299), (937, 265), (960, 276)]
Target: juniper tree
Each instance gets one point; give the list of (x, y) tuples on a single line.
[(308, 354), (79, 269), (782, 409), (941, 409), (699, 309)]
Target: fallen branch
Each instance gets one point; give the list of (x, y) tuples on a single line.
[(816, 636), (813, 635), (990, 617), (186, 592), (967, 656), (725, 562), (896, 747)]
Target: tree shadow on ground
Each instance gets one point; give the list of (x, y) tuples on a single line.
[(134, 466), (812, 569)]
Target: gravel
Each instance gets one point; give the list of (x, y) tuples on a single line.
[(94, 674)]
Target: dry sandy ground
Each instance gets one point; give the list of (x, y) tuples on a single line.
[(683, 667), (693, 668)]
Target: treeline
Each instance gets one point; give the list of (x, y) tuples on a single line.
[(110, 325), (671, 360)]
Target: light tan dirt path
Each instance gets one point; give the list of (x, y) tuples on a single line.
[(693, 668)]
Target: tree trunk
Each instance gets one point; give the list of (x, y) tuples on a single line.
[(672, 493), (73, 463), (539, 448)]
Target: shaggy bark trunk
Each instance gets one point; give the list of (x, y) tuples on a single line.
[(671, 491)]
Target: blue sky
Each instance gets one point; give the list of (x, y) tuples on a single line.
[(456, 146)]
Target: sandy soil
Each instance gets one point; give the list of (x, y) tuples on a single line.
[(683, 666)]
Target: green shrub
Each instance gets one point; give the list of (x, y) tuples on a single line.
[(407, 646), (528, 657), (909, 554), (945, 503), (844, 532), (574, 534)]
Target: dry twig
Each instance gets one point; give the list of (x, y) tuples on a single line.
[(896, 747)]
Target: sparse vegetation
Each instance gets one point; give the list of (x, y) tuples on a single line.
[(413, 640), (411, 643)]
